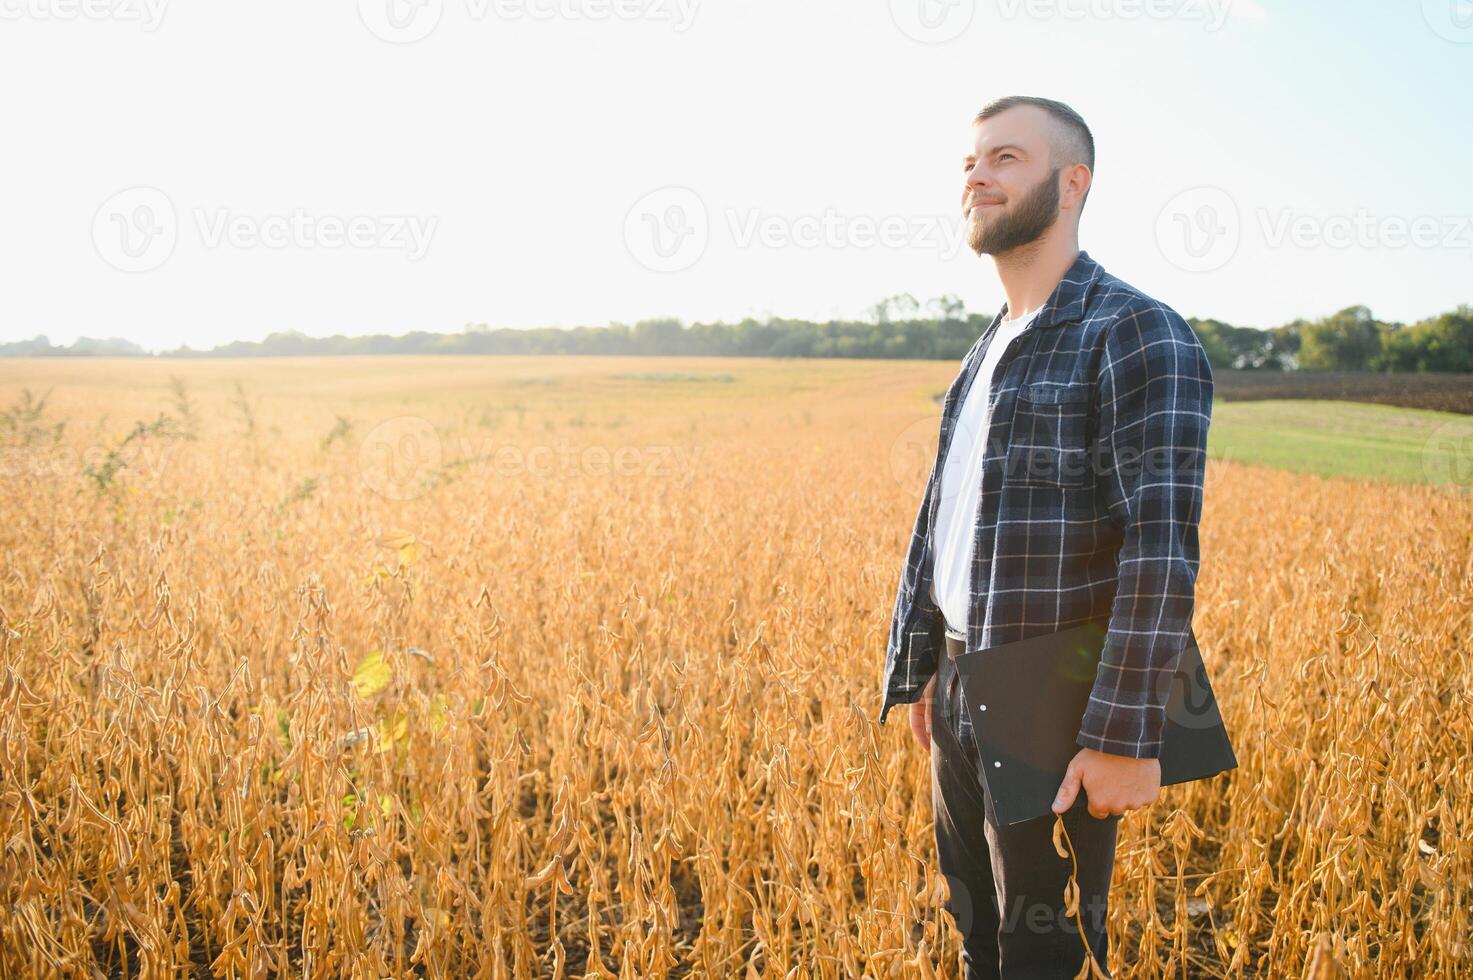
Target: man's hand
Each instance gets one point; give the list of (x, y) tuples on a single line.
[(920, 716), (1112, 783)]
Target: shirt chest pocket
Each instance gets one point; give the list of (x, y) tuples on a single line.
[(1049, 443)]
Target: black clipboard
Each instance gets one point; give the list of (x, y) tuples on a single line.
[(1026, 700)]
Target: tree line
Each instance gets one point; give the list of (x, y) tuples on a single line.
[(897, 327)]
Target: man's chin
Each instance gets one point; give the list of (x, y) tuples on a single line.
[(977, 237), (980, 245)]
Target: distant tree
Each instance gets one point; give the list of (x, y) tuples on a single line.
[(1443, 343), (662, 336), (1450, 341), (1238, 348), (948, 307), (1212, 335), (1284, 343), (897, 307), (1345, 341), (895, 327)]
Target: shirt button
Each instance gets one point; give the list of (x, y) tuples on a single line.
[(997, 765), (982, 707)]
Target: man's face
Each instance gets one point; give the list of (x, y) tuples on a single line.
[(1011, 194)]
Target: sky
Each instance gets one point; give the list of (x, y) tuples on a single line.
[(197, 173)]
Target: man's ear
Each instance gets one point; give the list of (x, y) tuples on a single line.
[(1075, 182)]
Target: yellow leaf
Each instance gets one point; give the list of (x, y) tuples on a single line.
[(391, 730), (404, 543), (395, 539), (439, 718), (371, 675)]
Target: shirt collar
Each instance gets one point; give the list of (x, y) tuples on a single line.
[(1066, 303)]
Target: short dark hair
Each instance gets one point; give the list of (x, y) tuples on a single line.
[(1072, 143)]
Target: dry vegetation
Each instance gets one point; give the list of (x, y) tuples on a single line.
[(265, 711)]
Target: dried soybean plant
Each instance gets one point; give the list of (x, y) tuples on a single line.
[(560, 668)]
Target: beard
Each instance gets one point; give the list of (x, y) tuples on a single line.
[(1019, 225)]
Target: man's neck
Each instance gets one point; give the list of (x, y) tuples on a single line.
[(1031, 272)]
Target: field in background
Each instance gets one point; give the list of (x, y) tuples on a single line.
[(1436, 391), (1348, 439), (570, 666)]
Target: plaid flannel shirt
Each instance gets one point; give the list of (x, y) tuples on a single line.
[(1091, 496)]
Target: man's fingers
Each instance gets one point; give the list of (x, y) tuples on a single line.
[(920, 723), (1069, 788)]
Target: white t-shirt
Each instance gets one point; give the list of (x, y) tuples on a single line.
[(961, 486)]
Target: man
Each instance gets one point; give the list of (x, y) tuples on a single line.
[(1067, 488)]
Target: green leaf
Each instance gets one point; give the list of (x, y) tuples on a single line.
[(350, 807)]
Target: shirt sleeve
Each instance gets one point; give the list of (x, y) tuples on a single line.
[(911, 657), (1155, 406)]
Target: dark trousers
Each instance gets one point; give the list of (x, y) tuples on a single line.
[(1007, 882)]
